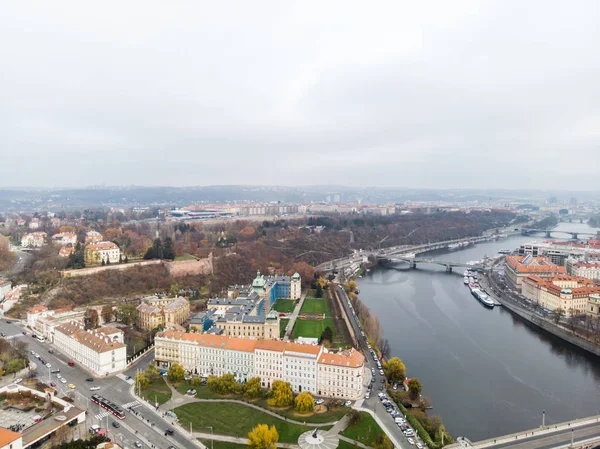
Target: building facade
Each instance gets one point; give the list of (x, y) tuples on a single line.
[(517, 268), (34, 240), (156, 312), (272, 288), (107, 252), (588, 270), (93, 237), (101, 350), (65, 238), (569, 293), (306, 367)]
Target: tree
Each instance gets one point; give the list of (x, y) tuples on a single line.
[(107, 313), (168, 252), (350, 286), (353, 417), (263, 437), (60, 435), (196, 381), (253, 388), (126, 313), (142, 380), (559, 313), (15, 366), (326, 335), (152, 373), (395, 371), (93, 317), (414, 388), (281, 394), (304, 402), (175, 372), (77, 257), (174, 290), (382, 441), (319, 291)]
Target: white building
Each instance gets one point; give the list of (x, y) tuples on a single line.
[(33, 240), (65, 238), (306, 367), (96, 253), (35, 313), (101, 350), (93, 237), (10, 439), (588, 270)]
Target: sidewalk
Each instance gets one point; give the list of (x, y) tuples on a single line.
[(294, 316)]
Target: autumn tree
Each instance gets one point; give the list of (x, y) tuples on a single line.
[(350, 286), (304, 402), (395, 371), (126, 313), (7, 257), (559, 313), (141, 380), (382, 441), (175, 372), (263, 437), (281, 394), (93, 318), (414, 388), (107, 313), (152, 373), (306, 272), (253, 388)]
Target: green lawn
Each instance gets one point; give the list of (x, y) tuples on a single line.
[(305, 328), (315, 306), (214, 444), (202, 391), (285, 305), (283, 322), (234, 419), (364, 431), (345, 445), (157, 391), (186, 256), (332, 415)]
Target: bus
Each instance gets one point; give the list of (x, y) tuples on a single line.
[(109, 406)]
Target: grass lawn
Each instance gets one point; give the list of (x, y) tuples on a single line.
[(315, 306), (186, 256), (234, 419), (364, 431), (157, 390), (285, 305), (344, 445), (283, 322), (332, 415), (202, 391), (305, 328), (214, 444)]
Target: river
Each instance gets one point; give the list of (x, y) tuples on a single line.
[(486, 372)]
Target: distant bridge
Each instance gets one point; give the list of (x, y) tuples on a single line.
[(574, 234), (448, 264)]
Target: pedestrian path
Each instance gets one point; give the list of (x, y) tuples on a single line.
[(132, 404), (102, 415)]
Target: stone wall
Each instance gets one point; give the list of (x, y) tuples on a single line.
[(120, 267), (191, 267)]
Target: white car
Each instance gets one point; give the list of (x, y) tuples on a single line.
[(48, 365), (399, 420), (94, 388), (419, 446), (63, 380), (137, 444), (58, 376), (18, 381), (319, 401), (411, 441), (367, 395)]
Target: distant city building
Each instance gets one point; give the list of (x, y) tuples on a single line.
[(34, 240), (101, 350), (34, 223), (93, 237), (593, 309), (307, 367), (517, 268), (588, 270), (163, 312), (107, 252), (65, 238)]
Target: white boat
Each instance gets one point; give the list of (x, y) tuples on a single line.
[(504, 251), (466, 280), (482, 298), (466, 273)]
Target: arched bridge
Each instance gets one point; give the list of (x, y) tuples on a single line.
[(412, 261), (574, 234)]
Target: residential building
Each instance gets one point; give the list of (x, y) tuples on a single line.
[(34, 240), (10, 439), (250, 326), (107, 252), (570, 293), (35, 313), (101, 350), (164, 312), (306, 367), (588, 270), (65, 251), (593, 309), (93, 237), (516, 268), (272, 288), (34, 223), (65, 238)]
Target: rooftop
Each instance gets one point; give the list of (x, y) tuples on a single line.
[(97, 339), (8, 436)]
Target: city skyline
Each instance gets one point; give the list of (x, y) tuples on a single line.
[(442, 96)]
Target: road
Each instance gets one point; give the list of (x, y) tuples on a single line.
[(373, 403), (150, 428)]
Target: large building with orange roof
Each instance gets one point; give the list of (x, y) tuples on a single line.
[(569, 293), (517, 268), (306, 367)]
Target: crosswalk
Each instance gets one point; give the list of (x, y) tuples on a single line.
[(132, 404), (101, 415)]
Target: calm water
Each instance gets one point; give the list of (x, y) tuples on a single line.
[(486, 372)]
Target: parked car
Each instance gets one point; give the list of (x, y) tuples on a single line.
[(48, 365), (94, 388), (63, 380), (411, 441), (347, 403), (89, 379), (71, 363), (319, 401), (55, 370), (18, 381), (71, 386), (127, 377), (191, 392), (419, 446), (53, 384), (50, 351), (137, 444), (58, 376)]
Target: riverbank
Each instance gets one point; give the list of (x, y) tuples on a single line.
[(537, 320)]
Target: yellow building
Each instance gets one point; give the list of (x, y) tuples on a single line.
[(156, 312)]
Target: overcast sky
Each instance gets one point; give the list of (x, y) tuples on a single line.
[(444, 94)]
